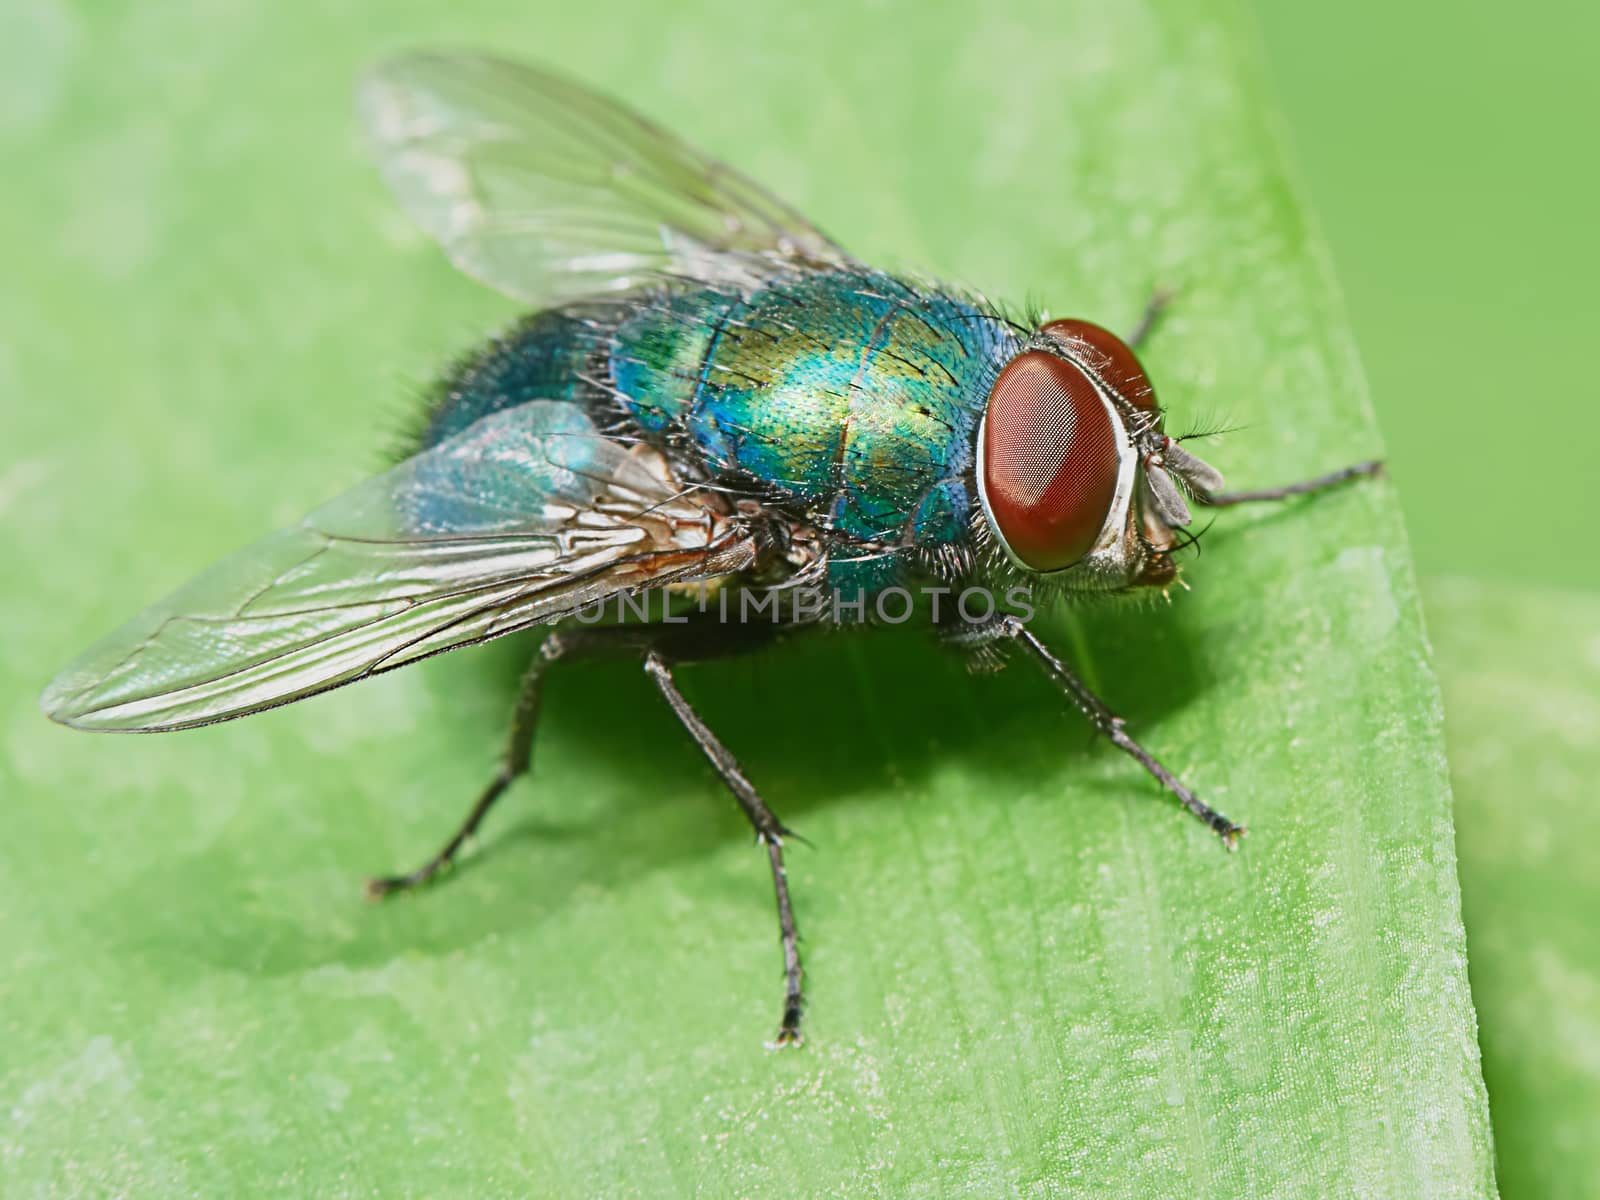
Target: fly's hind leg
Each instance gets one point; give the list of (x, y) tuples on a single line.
[(770, 833), (514, 762), (563, 644), (660, 647)]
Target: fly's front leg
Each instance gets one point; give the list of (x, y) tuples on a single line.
[(1206, 483), (1359, 470), (769, 832), (1159, 301), (1005, 627)]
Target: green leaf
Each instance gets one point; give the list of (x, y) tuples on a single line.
[(1521, 673), (1029, 974)]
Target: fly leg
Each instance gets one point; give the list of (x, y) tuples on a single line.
[(695, 641), (1158, 303), (569, 643), (770, 833), (1160, 300), (519, 749), (1372, 466), (1005, 626)]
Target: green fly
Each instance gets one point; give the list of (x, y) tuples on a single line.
[(709, 393)]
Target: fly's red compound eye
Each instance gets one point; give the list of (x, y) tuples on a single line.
[(1110, 356), (1050, 460)]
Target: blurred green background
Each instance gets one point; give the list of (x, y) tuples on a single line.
[(1446, 153), (1449, 153)]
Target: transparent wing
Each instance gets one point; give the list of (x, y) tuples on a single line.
[(524, 517), (548, 191)]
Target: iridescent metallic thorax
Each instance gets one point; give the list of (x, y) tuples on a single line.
[(853, 395)]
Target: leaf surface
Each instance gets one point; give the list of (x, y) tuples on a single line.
[(1029, 974)]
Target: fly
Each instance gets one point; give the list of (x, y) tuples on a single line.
[(709, 393)]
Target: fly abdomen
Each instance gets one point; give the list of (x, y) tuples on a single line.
[(546, 356), (658, 354)]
